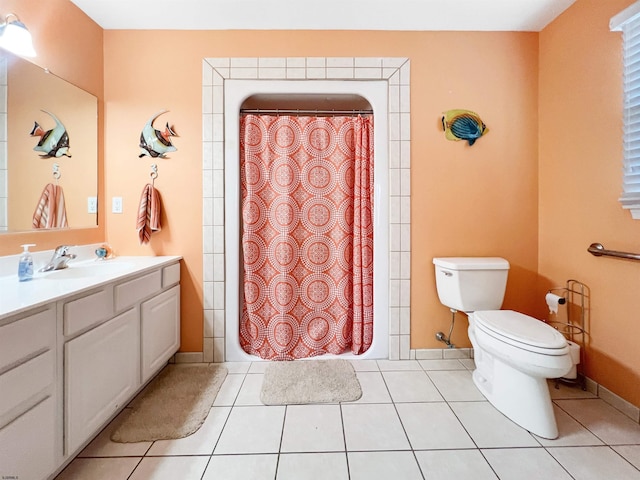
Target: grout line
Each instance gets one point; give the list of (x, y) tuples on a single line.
[(344, 440), (284, 421), (132, 471), (623, 457)]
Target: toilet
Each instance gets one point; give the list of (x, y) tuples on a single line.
[(514, 353)]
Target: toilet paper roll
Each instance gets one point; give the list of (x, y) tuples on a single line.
[(574, 351), (553, 301)]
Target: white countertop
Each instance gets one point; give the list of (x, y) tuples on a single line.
[(81, 275)]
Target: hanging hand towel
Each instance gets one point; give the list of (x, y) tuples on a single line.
[(148, 213), (51, 211)]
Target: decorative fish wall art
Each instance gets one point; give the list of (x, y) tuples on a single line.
[(463, 125), (156, 143), (54, 142)]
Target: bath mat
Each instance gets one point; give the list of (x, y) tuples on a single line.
[(174, 405), (309, 381)]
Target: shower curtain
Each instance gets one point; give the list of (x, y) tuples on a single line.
[(307, 235)]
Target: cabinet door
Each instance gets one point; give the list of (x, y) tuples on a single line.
[(101, 373), (160, 330), (27, 443)]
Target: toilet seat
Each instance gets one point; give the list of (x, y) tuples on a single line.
[(521, 331)]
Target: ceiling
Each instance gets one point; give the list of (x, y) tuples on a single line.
[(432, 15)]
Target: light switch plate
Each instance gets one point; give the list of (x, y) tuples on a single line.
[(92, 204), (116, 205)]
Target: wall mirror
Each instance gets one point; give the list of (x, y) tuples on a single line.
[(27, 92)]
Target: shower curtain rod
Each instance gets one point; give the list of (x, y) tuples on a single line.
[(288, 111)]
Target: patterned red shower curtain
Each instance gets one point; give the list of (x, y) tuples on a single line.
[(307, 235)]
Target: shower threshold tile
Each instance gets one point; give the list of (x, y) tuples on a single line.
[(236, 367), (365, 365), (258, 367)]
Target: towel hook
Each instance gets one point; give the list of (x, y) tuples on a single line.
[(56, 172), (154, 173)]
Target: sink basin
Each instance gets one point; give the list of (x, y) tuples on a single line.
[(95, 269)]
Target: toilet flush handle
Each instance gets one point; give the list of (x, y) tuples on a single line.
[(447, 274)]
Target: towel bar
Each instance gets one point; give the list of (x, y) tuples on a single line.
[(598, 250)]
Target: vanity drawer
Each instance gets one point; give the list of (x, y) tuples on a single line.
[(27, 337), (87, 311), (131, 292), (29, 443), (170, 275), (26, 380)]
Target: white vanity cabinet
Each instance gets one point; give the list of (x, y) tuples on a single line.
[(69, 365), (101, 372), (160, 333), (112, 335), (28, 395)]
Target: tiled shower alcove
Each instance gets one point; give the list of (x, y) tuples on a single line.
[(396, 72)]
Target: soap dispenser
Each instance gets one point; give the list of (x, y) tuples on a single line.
[(25, 266)]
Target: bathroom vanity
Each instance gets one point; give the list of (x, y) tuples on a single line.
[(75, 346)]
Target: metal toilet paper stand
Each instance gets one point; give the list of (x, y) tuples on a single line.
[(577, 296)]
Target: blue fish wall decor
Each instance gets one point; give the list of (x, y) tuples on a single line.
[(53, 143), (463, 125), (156, 143)]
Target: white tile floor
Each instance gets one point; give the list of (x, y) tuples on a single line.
[(418, 420)]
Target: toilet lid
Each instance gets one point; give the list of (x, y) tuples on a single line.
[(520, 328)]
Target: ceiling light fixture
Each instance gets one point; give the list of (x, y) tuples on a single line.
[(15, 37)]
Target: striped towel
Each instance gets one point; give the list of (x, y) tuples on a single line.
[(148, 213), (51, 211)]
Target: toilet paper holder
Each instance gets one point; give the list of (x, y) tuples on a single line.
[(554, 301), (575, 298)]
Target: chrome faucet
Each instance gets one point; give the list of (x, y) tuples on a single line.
[(59, 260)]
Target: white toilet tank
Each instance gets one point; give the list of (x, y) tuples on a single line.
[(470, 284)]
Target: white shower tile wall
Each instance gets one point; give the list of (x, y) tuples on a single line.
[(396, 71)]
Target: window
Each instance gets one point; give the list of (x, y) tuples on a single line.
[(628, 21)]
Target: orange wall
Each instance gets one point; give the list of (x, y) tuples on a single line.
[(580, 182), (74, 54), (538, 189), (465, 201)]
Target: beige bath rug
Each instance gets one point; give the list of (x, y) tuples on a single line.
[(173, 405), (309, 381)]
